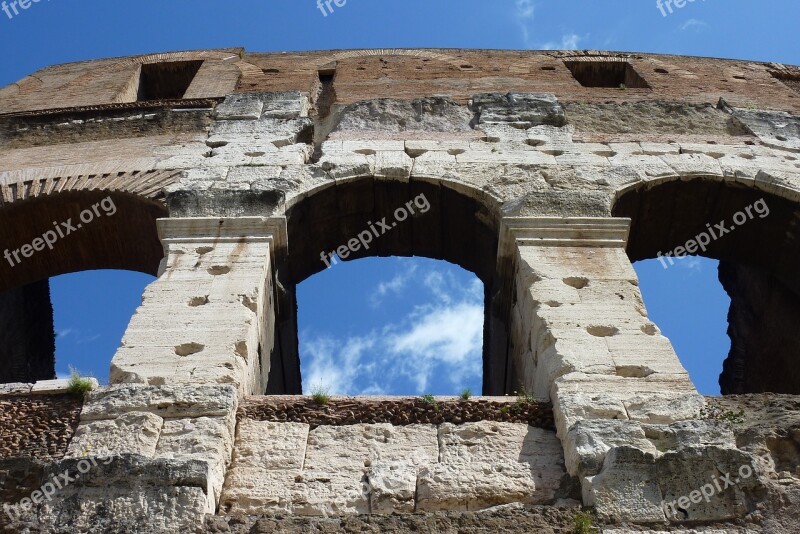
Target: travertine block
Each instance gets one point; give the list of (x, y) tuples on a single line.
[(266, 467), (130, 433), (488, 463)]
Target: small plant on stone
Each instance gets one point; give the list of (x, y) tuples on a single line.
[(726, 416), (525, 398), (430, 400), (78, 386), (734, 418), (583, 524), (466, 394), (321, 395)]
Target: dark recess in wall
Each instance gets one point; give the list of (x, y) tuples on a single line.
[(616, 74), (166, 81)]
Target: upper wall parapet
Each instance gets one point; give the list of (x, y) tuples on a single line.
[(573, 76)]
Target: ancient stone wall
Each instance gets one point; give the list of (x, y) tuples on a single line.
[(547, 174)]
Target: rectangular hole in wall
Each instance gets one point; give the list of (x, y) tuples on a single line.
[(327, 93), (609, 73), (166, 81), (326, 76)]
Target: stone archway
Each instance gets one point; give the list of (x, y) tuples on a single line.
[(459, 226), (45, 233), (759, 255)]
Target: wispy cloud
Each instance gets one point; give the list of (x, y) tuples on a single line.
[(569, 41), (76, 336), (690, 263), (336, 366), (441, 340), (64, 332), (525, 16), (396, 285), (693, 24), (525, 13), (448, 335)]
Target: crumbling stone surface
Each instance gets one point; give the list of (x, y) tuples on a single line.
[(430, 114), (125, 494), (648, 118), (773, 128), (520, 110), (385, 469)]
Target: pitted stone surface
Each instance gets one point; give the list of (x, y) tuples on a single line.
[(267, 461), (384, 469), (486, 464), (520, 109), (164, 401), (130, 433), (208, 439), (337, 459), (125, 493)]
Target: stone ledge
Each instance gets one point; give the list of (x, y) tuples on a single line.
[(398, 411), (57, 387), (15, 388), (164, 401)]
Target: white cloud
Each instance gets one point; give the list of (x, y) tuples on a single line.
[(441, 339), (63, 333), (333, 365), (569, 41), (395, 285), (525, 13), (452, 336), (689, 263), (695, 24), (77, 336)]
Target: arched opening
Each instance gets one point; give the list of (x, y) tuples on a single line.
[(71, 232), (391, 326), (753, 235), (380, 218)]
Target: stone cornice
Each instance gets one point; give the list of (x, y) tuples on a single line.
[(569, 231)]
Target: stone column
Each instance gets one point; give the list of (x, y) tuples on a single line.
[(580, 335), (209, 318), (159, 440), (27, 339)]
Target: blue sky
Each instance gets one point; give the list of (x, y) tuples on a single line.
[(368, 311)]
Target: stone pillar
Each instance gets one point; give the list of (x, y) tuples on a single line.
[(580, 335), (200, 340), (209, 318), (27, 340)]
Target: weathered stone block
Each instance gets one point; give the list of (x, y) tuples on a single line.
[(242, 106), (523, 109), (487, 463), (130, 433), (266, 466), (164, 401)]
